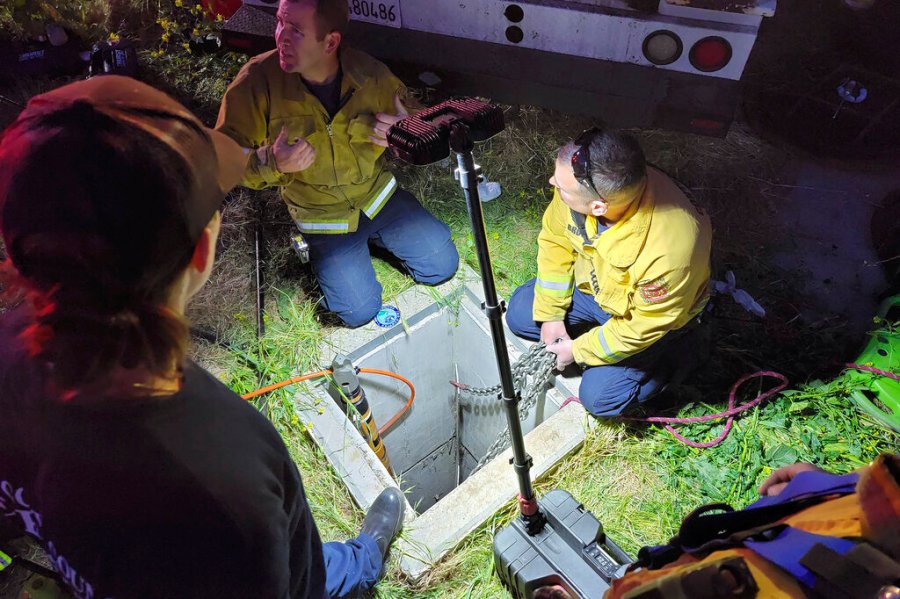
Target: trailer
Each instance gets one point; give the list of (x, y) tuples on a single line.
[(672, 64)]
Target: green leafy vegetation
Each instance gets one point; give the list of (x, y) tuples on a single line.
[(22, 19)]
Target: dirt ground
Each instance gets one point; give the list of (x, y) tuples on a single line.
[(837, 195)]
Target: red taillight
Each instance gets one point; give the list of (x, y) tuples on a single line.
[(710, 54), (662, 47)]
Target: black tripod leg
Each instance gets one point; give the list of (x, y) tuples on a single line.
[(259, 247), (462, 145)]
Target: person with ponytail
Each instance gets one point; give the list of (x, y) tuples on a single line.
[(139, 473)]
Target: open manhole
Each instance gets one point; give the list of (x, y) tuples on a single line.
[(434, 448), (437, 445)]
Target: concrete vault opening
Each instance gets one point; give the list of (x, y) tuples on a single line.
[(435, 447)]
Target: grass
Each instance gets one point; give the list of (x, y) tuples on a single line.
[(637, 479)]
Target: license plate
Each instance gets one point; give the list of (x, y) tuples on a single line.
[(381, 12)]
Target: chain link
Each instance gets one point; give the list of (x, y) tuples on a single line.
[(531, 376), (532, 362)]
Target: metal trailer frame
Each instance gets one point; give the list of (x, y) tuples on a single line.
[(579, 56)]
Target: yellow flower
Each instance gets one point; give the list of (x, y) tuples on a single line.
[(113, 37), (187, 47), (195, 32), (198, 7), (165, 37), (219, 17), (179, 3)]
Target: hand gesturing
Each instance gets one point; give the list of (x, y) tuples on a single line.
[(384, 121), (292, 155)]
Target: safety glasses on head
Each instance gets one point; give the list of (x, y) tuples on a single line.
[(581, 159)]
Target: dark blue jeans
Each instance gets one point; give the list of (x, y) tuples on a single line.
[(611, 389), (352, 567), (343, 264)]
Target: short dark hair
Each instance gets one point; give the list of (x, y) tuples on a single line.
[(331, 15), (617, 161)]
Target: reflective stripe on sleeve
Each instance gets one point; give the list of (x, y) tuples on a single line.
[(605, 346), (555, 288), (323, 227)]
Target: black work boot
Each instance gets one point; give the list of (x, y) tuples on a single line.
[(385, 518)]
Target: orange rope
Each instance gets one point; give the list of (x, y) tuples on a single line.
[(311, 375)]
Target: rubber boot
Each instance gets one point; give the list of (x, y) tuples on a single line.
[(385, 518)]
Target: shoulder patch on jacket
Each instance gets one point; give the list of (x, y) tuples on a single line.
[(654, 291)]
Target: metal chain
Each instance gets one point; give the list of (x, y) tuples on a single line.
[(532, 363), (531, 375)]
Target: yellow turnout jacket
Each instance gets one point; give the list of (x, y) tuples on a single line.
[(349, 174), (649, 270)]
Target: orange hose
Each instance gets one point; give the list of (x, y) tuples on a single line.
[(412, 394), (311, 375), (285, 383)]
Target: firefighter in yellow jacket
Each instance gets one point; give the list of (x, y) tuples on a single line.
[(623, 274), (316, 115)]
